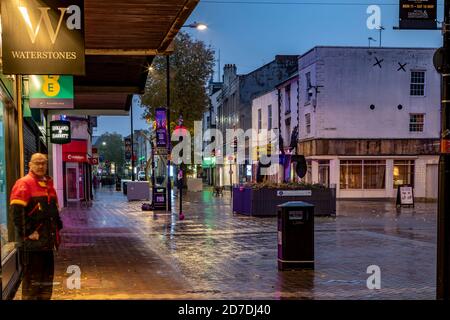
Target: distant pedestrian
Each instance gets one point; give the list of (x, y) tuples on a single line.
[(37, 221), (95, 182)]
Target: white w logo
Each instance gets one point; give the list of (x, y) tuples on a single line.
[(73, 22)]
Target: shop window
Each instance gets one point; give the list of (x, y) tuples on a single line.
[(324, 172), (6, 245), (374, 172), (351, 174), (403, 172), (363, 174)]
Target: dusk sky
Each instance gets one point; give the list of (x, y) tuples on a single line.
[(250, 33)]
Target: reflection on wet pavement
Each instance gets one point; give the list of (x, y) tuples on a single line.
[(126, 253)]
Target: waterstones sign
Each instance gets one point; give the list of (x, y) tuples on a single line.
[(43, 37)]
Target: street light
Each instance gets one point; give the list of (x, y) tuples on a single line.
[(104, 143), (196, 25), (371, 39)]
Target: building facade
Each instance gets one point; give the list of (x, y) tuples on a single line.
[(370, 120), (234, 110), (209, 121)]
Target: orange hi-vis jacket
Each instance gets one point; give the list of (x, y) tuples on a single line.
[(35, 205)]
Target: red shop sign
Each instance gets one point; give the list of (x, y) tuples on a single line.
[(75, 157)]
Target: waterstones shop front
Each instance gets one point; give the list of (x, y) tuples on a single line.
[(106, 73), (9, 173)]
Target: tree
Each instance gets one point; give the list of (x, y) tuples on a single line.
[(111, 148), (191, 66)]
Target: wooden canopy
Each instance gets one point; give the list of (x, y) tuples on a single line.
[(121, 39)]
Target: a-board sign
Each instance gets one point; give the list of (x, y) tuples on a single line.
[(405, 195), (159, 198)]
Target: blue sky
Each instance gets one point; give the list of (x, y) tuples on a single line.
[(250, 35)]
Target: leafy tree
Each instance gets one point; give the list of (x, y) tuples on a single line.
[(111, 147), (191, 65)]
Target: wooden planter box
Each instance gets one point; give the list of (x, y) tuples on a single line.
[(264, 202)]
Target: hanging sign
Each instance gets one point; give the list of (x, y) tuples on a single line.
[(60, 132), (51, 92), (43, 37), (418, 14), (405, 195), (161, 128), (127, 149)]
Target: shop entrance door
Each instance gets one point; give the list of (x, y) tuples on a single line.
[(72, 177)]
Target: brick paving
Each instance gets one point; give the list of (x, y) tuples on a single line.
[(125, 253)]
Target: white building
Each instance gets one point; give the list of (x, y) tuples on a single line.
[(265, 117), (369, 119)]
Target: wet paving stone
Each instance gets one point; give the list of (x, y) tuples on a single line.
[(126, 253)]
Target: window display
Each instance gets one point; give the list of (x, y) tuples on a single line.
[(6, 245)]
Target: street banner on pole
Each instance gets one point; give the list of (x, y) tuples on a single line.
[(161, 130), (127, 149)]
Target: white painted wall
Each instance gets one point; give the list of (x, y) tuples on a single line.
[(262, 103), (351, 83), (293, 115)]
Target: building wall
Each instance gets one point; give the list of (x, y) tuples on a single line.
[(343, 126), (262, 103), (235, 98), (352, 82), (289, 119)]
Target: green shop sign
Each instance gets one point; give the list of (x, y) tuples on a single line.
[(208, 162), (51, 92)]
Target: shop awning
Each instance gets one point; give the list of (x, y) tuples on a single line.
[(121, 39)]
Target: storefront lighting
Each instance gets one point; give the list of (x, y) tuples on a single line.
[(24, 12), (396, 171), (36, 81)]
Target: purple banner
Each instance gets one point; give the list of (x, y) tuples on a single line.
[(161, 127)]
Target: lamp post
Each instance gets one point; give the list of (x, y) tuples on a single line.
[(198, 26), (182, 132), (371, 39), (443, 219)]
